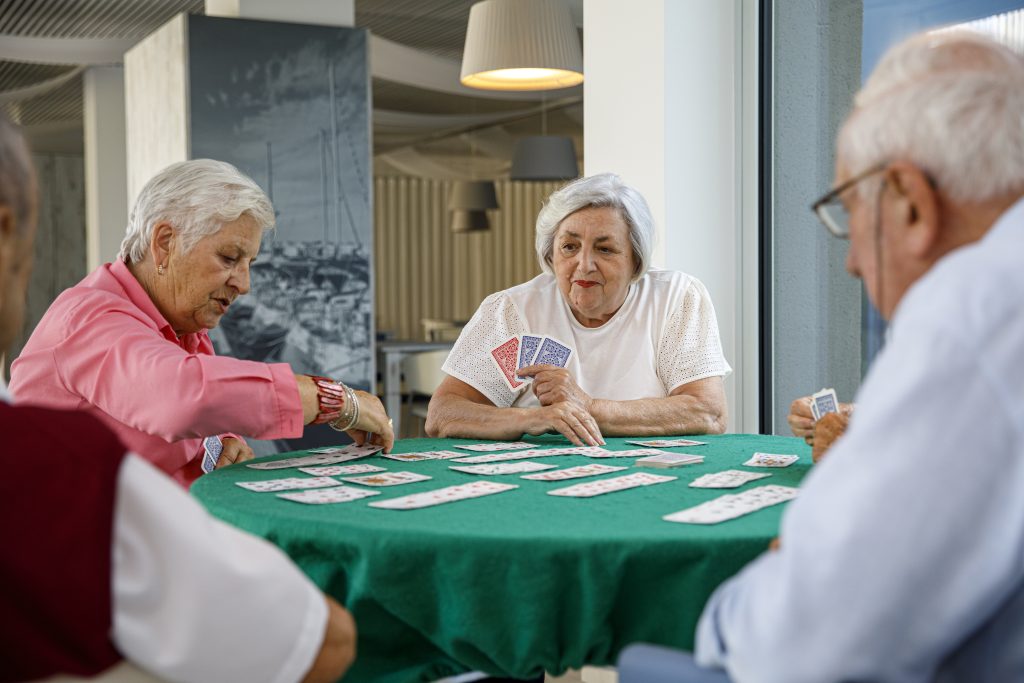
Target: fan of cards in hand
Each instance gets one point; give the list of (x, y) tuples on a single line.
[(527, 349)]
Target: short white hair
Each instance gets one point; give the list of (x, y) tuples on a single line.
[(197, 197), (600, 190), (951, 103)]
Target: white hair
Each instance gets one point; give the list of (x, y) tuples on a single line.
[(603, 189), (952, 104), (197, 198)]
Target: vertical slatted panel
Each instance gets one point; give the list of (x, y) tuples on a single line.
[(424, 270)]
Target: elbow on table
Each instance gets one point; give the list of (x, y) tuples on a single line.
[(716, 419), (435, 426)]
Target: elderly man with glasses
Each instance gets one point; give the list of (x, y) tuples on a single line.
[(901, 560)]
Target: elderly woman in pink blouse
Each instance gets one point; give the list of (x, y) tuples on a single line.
[(129, 343)]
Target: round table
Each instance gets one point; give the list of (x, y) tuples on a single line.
[(519, 582)]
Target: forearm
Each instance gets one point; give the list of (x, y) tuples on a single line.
[(660, 416), (457, 417)]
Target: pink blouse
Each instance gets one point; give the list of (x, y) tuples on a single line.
[(103, 347)]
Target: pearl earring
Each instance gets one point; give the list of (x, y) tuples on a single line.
[(160, 269)]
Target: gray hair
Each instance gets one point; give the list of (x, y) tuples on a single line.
[(197, 197), (602, 189), (952, 103), (17, 179)]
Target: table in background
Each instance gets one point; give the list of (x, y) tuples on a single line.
[(518, 581), (392, 353)]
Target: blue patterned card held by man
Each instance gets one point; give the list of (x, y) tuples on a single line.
[(552, 352)]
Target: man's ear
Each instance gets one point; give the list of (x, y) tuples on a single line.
[(161, 246), (919, 206)]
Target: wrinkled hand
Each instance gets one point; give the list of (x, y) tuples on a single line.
[(801, 420), (829, 428), (373, 422), (570, 420), (552, 384), (234, 450)]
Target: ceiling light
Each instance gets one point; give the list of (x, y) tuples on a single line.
[(544, 157)]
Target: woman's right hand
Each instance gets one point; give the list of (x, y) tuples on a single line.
[(569, 419), (372, 420)]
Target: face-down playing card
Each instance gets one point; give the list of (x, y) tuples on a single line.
[(528, 346), (552, 352), (504, 357)]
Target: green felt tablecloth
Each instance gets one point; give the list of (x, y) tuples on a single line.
[(519, 582)]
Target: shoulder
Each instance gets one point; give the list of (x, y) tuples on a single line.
[(521, 297), (670, 290)]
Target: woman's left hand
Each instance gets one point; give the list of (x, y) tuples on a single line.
[(552, 384), (235, 450)]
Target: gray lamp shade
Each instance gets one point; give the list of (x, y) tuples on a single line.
[(544, 157), (473, 195), (521, 45), (470, 221)]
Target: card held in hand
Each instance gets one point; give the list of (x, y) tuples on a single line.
[(552, 352), (504, 357), (823, 402), (528, 345)]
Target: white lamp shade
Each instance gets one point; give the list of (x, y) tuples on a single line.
[(544, 157), (521, 45)]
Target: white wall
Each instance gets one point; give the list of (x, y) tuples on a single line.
[(670, 104), (106, 183)]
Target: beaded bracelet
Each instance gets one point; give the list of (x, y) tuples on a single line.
[(331, 399)]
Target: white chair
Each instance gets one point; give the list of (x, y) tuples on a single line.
[(423, 375)]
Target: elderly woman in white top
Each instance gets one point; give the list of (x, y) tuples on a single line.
[(647, 359)]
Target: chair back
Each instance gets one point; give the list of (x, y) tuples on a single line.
[(423, 372)]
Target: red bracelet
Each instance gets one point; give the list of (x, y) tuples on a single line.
[(330, 399)]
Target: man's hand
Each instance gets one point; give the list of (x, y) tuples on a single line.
[(234, 450), (801, 420), (570, 420), (829, 428)]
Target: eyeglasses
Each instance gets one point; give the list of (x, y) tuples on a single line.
[(830, 209)]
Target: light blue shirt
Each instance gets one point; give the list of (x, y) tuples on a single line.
[(903, 557)]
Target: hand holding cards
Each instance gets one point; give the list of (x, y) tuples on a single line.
[(519, 352)]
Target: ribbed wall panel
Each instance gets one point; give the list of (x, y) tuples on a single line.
[(424, 270)]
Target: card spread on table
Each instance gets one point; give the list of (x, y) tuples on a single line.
[(350, 452), (212, 448), (629, 453), (669, 460), (338, 470), (729, 479), (771, 460), (825, 401), (733, 505), (496, 446), (667, 443), (423, 455), (574, 472), (338, 494), (502, 468), (287, 484), (504, 357), (601, 486), (499, 457), (528, 345), (387, 478), (448, 494)]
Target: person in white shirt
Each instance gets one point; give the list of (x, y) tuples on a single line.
[(646, 355), (901, 558), (106, 559)]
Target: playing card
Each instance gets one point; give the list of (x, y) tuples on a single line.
[(629, 453), (338, 494), (771, 460), (387, 478), (448, 494), (504, 357), (552, 352), (667, 443), (423, 455), (212, 448), (574, 472), (499, 457), (338, 470), (496, 446), (728, 479), (825, 401), (731, 506), (528, 345), (602, 486), (287, 484), (351, 452), (502, 468), (669, 460)]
